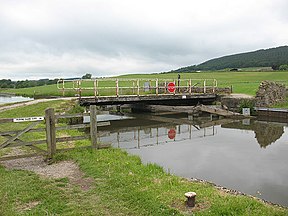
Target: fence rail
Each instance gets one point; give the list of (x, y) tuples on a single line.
[(13, 138), (123, 87)]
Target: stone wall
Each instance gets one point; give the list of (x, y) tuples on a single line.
[(234, 103), (270, 93)]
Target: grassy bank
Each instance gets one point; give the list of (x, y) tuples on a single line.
[(119, 184), (242, 82)]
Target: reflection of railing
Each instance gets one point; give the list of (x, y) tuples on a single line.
[(154, 136), (124, 87)]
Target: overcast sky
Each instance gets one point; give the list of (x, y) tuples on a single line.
[(66, 38)]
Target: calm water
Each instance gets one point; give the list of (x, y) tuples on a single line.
[(13, 99), (249, 156)]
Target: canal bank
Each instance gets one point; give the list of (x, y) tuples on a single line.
[(244, 155), (143, 189)]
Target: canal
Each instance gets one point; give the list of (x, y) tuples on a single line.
[(244, 155), (6, 98)]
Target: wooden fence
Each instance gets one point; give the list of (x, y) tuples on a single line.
[(12, 138)]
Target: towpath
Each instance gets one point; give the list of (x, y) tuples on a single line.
[(12, 106)]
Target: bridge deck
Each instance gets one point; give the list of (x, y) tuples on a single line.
[(177, 99)]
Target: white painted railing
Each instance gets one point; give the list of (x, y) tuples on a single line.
[(125, 87)]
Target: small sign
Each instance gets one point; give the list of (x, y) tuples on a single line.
[(28, 119), (171, 134), (246, 111), (146, 87), (171, 87)]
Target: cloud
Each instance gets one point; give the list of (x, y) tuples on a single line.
[(105, 37)]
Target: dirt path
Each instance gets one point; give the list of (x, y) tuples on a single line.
[(239, 96), (12, 106), (62, 169)]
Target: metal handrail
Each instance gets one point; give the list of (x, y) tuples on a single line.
[(136, 85)]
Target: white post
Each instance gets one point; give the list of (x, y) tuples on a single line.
[(117, 88), (156, 87)]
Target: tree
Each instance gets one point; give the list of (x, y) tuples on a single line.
[(283, 67), (87, 76)]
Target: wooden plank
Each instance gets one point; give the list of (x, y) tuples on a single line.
[(4, 133), (70, 127), (6, 143), (159, 108), (78, 126), (126, 99), (6, 120), (93, 126), (37, 142), (73, 138)]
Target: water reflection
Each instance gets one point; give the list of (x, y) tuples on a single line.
[(141, 128), (249, 156), (133, 133), (266, 133)]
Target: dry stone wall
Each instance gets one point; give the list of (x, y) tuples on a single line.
[(270, 93)]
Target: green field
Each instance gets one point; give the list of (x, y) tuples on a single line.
[(241, 82)]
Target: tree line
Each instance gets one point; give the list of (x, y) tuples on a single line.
[(8, 83)]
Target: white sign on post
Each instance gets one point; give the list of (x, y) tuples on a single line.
[(27, 119), (246, 111)]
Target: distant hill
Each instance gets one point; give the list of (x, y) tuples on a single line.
[(273, 57)]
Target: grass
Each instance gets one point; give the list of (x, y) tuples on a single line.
[(121, 185), (38, 110), (246, 82)]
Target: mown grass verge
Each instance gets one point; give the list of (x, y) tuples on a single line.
[(121, 185), (242, 82)]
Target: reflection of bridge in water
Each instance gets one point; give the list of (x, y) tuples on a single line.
[(148, 130), (144, 132)]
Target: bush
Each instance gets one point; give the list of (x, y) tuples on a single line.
[(246, 103)]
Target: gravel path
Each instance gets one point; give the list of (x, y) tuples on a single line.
[(239, 96)]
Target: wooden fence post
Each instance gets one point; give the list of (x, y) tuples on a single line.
[(93, 126), (157, 87), (50, 132)]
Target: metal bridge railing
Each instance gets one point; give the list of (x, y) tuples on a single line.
[(127, 87)]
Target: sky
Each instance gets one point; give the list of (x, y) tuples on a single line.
[(69, 38)]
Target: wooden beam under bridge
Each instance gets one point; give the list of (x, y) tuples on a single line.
[(193, 109), (149, 99)]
